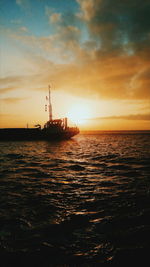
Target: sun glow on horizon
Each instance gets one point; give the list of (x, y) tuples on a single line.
[(79, 113)]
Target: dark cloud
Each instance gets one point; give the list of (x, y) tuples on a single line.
[(121, 24), (121, 30)]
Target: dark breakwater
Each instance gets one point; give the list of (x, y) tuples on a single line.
[(81, 202)]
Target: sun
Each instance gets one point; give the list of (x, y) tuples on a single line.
[(79, 113)]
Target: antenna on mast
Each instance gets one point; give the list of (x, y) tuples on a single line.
[(50, 105)]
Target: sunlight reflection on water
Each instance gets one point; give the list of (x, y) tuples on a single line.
[(88, 195)]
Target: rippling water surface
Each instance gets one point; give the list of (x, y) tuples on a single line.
[(81, 202)]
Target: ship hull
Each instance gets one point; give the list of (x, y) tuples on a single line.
[(31, 134)]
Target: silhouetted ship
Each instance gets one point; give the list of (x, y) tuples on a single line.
[(53, 129)]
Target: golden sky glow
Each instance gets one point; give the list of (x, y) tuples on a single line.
[(79, 113), (95, 55)]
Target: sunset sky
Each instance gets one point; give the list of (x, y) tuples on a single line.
[(95, 54)]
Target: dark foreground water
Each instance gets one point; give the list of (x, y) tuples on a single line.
[(82, 202)]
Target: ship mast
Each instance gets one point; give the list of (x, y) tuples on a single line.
[(50, 105)]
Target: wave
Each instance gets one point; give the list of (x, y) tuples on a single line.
[(84, 202)]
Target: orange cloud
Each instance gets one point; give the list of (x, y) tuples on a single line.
[(55, 17), (12, 100), (144, 117), (87, 8), (109, 76)]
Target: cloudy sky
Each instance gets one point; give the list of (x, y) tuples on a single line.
[(95, 54)]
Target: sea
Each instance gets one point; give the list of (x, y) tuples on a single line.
[(79, 202)]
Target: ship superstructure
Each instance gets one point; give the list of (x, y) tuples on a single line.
[(53, 129)]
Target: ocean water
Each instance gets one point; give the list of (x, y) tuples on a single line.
[(80, 202)]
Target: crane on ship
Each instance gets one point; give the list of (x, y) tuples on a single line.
[(57, 123)]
